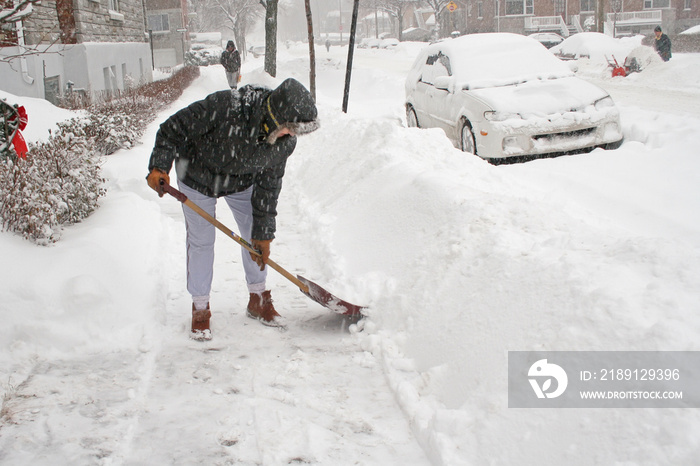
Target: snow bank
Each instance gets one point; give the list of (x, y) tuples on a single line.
[(462, 262)]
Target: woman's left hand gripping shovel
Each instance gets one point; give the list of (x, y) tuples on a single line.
[(309, 288)]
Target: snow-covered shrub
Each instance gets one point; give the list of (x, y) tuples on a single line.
[(203, 57), (119, 122), (165, 91), (117, 125), (59, 183)]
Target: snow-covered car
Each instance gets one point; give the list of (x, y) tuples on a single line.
[(389, 43), (256, 50), (692, 30), (596, 47), (500, 95), (548, 39)]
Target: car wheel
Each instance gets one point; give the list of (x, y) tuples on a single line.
[(466, 140), (412, 118)]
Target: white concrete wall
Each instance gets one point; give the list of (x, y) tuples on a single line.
[(83, 64)]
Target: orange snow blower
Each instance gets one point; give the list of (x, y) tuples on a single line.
[(617, 69)]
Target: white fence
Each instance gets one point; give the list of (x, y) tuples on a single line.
[(635, 17), (546, 23)]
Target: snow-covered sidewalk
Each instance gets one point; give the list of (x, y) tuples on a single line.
[(460, 262)]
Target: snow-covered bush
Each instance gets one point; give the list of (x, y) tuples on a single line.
[(166, 91), (203, 57), (59, 183), (117, 124)]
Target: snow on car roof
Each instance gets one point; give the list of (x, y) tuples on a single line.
[(597, 46), (692, 30), (547, 35), (499, 59)]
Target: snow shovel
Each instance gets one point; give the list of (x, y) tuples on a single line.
[(309, 288)]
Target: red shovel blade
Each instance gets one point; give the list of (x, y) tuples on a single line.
[(326, 299)]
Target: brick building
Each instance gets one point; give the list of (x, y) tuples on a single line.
[(565, 17), (167, 23)]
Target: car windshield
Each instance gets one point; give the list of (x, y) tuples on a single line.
[(500, 59)]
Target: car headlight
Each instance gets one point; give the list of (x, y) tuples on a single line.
[(605, 102), (501, 116), (515, 144)]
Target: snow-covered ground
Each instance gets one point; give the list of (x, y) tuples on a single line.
[(459, 262)]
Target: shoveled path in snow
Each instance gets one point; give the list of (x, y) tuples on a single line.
[(252, 395), (258, 395)]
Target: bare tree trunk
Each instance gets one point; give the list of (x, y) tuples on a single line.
[(239, 35), (271, 38), (312, 50)]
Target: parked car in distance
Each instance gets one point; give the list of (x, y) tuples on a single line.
[(548, 39), (389, 43), (596, 47), (256, 50), (369, 43), (503, 95)]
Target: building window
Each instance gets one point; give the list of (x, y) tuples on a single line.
[(519, 7), (656, 4), (687, 4), (587, 5), (480, 9), (560, 8), (158, 23), (110, 75), (114, 5)]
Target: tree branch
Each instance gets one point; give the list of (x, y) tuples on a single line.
[(7, 13)]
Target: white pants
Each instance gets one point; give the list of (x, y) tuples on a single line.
[(200, 243), (232, 79)]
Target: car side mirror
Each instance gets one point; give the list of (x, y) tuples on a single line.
[(445, 83)]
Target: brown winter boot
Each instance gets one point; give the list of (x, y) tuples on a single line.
[(200, 324), (260, 307)]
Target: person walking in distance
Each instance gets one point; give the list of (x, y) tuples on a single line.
[(662, 44), (235, 145), (231, 60)]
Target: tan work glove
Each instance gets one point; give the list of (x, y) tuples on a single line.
[(154, 178), (262, 245)]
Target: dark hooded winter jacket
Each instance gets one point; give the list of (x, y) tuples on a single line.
[(663, 47), (218, 147), (231, 61)]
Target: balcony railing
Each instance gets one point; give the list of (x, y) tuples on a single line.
[(635, 17), (546, 23)]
